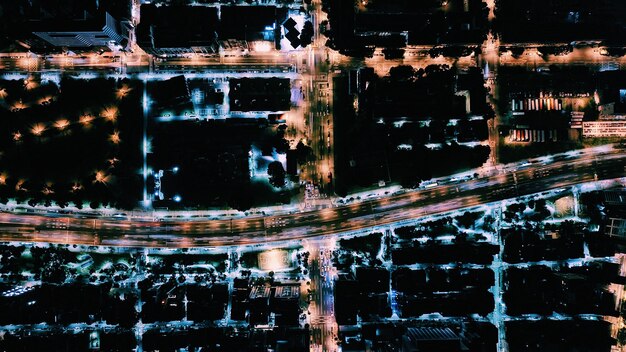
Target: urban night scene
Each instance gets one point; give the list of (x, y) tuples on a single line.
[(313, 175)]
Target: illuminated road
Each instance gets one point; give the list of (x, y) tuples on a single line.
[(322, 307), (347, 218)]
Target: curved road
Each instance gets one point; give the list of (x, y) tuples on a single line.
[(353, 217)]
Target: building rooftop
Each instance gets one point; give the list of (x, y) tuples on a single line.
[(615, 197), (60, 10), (177, 26), (247, 22), (286, 292), (86, 23), (431, 334), (561, 21), (260, 292)]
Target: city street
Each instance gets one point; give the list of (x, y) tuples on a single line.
[(317, 223), (322, 273)]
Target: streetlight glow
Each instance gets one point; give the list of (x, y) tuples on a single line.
[(38, 129), (115, 137), (85, 120), (62, 124), (109, 113), (123, 91), (101, 177)]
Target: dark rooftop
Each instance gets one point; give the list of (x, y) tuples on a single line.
[(241, 22), (615, 197), (177, 26), (561, 21), (431, 334), (85, 23)]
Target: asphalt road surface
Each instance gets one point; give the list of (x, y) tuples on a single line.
[(296, 226)]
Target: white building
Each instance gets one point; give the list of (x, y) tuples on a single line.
[(605, 128)]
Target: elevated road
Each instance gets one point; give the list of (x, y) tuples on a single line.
[(317, 223)]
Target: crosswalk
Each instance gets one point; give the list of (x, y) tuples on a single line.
[(322, 320)]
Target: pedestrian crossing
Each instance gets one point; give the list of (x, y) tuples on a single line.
[(323, 320)]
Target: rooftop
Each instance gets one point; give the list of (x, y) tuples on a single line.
[(177, 26), (260, 292), (431, 334), (291, 291)]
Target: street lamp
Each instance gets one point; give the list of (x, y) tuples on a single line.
[(115, 137), (85, 120), (61, 124), (38, 129), (101, 177), (110, 113)]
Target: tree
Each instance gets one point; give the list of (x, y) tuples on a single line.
[(277, 174), (304, 152), (621, 336), (402, 73), (307, 34), (393, 53), (324, 28), (468, 219), (517, 51)]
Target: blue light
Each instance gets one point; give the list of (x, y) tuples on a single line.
[(175, 169), (177, 198)]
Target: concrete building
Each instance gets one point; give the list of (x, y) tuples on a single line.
[(98, 30), (260, 305), (286, 305), (178, 30), (430, 339)]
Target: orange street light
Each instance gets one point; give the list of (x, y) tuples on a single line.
[(85, 120), (19, 185), (123, 91), (109, 113), (115, 137), (101, 177), (38, 129), (61, 124), (76, 186), (29, 83)]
